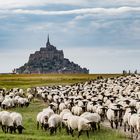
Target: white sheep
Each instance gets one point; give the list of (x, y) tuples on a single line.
[(17, 121), (23, 102), (113, 116), (54, 122), (62, 106), (94, 118), (80, 123), (77, 110), (42, 118), (7, 103), (7, 122), (38, 119)]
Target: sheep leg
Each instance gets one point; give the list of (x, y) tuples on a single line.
[(4, 128), (125, 127), (14, 129), (55, 130), (7, 129), (42, 126), (63, 125), (133, 130), (93, 125), (111, 123), (79, 134), (121, 122), (37, 125), (67, 130), (128, 127), (60, 128), (116, 123), (98, 126), (87, 133), (71, 131)]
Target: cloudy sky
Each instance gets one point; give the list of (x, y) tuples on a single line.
[(101, 35)]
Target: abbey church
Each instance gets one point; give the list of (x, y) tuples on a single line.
[(50, 60)]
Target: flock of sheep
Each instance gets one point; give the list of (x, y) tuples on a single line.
[(80, 107), (84, 106), (12, 121)]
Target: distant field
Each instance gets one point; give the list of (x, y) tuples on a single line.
[(31, 80)]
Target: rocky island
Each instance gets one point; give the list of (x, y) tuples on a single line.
[(49, 60)]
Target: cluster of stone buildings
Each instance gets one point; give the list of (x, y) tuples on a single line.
[(50, 60)]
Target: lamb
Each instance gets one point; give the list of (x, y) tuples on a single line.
[(80, 123), (54, 122), (17, 121)]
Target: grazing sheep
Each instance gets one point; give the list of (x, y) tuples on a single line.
[(54, 122), (17, 121), (7, 103), (38, 119), (94, 118), (42, 118), (80, 123), (23, 102), (7, 123)]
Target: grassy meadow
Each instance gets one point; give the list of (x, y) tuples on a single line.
[(31, 133), (30, 113), (31, 80)]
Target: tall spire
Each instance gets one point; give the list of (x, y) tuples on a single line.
[(48, 42)]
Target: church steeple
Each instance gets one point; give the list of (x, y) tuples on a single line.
[(48, 42)]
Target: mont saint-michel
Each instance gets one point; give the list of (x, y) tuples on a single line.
[(50, 60)]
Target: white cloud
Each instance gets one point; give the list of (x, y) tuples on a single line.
[(10, 4), (108, 11)]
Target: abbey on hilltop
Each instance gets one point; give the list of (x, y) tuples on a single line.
[(50, 60)]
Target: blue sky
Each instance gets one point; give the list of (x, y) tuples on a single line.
[(103, 36)]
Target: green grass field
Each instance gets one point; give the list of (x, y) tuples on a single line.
[(30, 113), (25, 81), (31, 133)]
